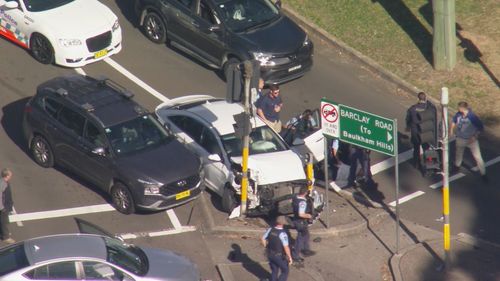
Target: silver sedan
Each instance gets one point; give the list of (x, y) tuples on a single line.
[(91, 257)]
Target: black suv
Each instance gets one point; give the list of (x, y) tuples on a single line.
[(221, 32), (93, 128)]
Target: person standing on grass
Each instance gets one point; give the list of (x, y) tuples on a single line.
[(5, 206), (467, 127)]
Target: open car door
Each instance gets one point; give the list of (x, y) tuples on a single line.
[(86, 227), (309, 141)]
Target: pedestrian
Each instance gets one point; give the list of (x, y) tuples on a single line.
[(275, 240), (301, 222), (412, 125), (467, 127), (5, 205), (269, 108)]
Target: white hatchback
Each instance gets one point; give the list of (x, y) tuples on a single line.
[(70, 33)]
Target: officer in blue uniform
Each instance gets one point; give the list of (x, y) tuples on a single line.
[(278, 250), (301, 222)]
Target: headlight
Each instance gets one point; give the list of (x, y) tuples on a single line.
[(150, 188), (307, 42), (264, 59), (116, 25), (70, 42)]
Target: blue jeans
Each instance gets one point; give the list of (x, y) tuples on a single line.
[(277, 263)]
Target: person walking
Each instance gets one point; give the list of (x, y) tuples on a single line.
[(467, 127), (412, 122), (269, 108), (301, 221), (275, 240), (5, 205)]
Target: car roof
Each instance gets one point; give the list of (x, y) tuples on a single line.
[(218, 113), (62, 246), (109, 102)]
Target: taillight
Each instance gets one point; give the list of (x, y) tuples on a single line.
[(28, 109)]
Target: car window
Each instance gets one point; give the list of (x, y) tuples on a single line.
[(101, 271), (93, 135), (188, 125), (186, 3), (262, 140), (72, 120), (56, 271), (52, 107), (43, 5), (209, 142), (240, 15), (206, 13), (128, 257), (12, 258)]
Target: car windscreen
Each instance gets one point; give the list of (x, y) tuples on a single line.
[(135, 135), (241, 15), (262, 140), (43, 5), (128, 257), (12, 258)]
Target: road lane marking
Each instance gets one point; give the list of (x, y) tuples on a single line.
[(461, 175), (174, 219), (135, 79), (407, 198), (61, 213), (389, 162), (80, 71), (172, 231), (19, 223)]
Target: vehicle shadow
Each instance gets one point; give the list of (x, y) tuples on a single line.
[(127, 10), (410, 24), (12, 122)]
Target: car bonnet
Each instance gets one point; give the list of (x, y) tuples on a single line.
[(167, 265)]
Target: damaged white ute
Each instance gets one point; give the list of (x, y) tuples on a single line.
[(206, 125)]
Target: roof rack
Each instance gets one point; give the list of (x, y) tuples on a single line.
[(62, 92), (115, 86)]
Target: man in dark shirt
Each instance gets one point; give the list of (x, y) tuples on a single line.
[(5, 206), (269, 108)]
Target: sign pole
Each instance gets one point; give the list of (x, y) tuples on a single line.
[(327, 183), (396, 166)]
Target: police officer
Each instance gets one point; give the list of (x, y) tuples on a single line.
[(301, 222), (278, 250), (412, 121)]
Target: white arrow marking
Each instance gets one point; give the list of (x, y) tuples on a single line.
[(389, 136)]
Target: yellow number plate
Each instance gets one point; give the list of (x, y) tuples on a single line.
[(183, 194), (100, 53)]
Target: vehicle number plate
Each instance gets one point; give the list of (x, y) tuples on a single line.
[(183, 194), (297, 67), (100, 53)]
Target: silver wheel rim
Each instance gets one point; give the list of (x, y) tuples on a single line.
[(154, 27), (121, 199), (41, 151)]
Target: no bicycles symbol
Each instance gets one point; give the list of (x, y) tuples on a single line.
[(329, 113)]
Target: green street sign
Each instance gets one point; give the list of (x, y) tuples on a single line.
[(366, 130)]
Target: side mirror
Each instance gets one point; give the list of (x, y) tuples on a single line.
[(101, 151), (214, 157), (9, 4), (298, 141), (215, 27), (278, 4)]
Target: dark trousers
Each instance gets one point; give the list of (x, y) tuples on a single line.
[(364, 159), (4, 222), (302, 241), (277, 264)]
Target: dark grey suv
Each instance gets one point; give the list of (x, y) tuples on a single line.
[(93, 128), (222, 32)]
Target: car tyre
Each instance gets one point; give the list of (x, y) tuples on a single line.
[(122, 199), (154, 28), (229, 62), (42, 152), (228, 199), (41, 49)]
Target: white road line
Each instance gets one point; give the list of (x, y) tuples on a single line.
[(389, 162), (407, 198), (461, 175), (135, 79), (128, 236), (174, 219), (61, 213), (19, 223), (80, 71)]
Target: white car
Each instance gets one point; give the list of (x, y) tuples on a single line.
[(206, 125), (70, 33)]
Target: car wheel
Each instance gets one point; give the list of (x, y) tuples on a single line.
[(122, 199), (42, 152), (229, 62), (41, 49), (154, 28), (228, 199)]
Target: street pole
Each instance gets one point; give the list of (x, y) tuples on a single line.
[(327, 183), (309, 171), (396, 167), (446, 183), (248, 73), (444, 43)]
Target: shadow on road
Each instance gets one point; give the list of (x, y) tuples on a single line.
[(12, 122), (236, 255)]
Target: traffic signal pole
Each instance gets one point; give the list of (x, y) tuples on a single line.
[(446, 182), (248, 73)]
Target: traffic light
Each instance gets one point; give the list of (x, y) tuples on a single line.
[(235, 81), (242, 126), (427, 126)]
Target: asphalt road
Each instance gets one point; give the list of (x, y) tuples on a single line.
[(37, 191)]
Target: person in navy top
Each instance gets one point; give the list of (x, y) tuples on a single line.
[(467, 126), (269, 107), (275, 239)]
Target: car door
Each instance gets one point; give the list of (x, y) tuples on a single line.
[(200, 139), (69, 135), (311, 141), (14, 24), (86, 227), (180, 17)]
